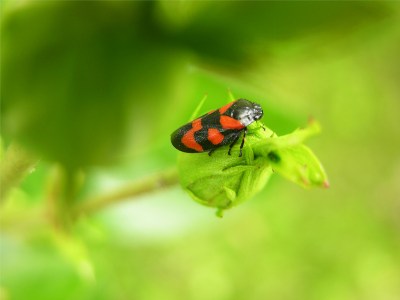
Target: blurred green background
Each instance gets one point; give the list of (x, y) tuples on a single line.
[(93, 91)]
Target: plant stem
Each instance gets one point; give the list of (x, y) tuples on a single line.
[(15, 164), (134, 189)]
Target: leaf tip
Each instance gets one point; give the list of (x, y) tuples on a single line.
[(326, 184), (220, 212)]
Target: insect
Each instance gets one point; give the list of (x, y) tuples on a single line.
[(217, 128)]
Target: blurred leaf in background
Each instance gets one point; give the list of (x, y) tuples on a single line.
[(94, 89)]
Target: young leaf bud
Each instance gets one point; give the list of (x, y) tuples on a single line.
[(223, 180)]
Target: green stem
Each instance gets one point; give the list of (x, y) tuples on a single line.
[(131, 190), (63, 187), (14, 166)]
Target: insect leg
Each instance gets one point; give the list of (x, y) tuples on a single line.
[(211, 151), (244, 137), (233, 144)]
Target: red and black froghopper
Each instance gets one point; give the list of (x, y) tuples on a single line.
[(217, 128)]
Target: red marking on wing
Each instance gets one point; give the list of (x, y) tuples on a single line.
[(196, 125), (188, 138), (230, 123), (214, 136), (226, 107)]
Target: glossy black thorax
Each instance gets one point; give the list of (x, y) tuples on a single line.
[(245, 111)]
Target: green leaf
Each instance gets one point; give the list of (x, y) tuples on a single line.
[(223, 180), (300, 165), (75, 77)]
